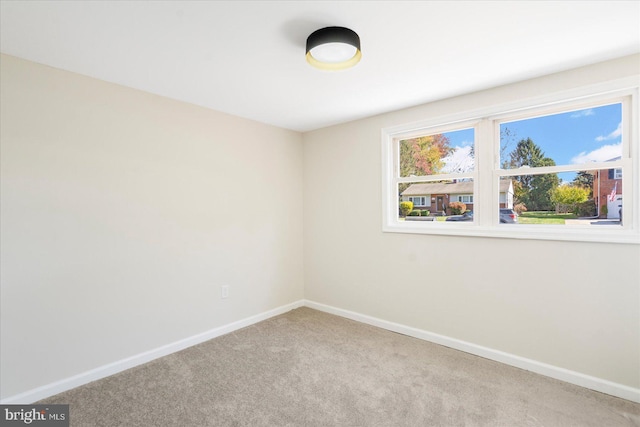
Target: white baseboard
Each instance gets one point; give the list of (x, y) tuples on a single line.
[(48, 390), (577, 378), (593, 383)]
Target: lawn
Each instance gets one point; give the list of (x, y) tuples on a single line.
[(544, 217), (539, 217)]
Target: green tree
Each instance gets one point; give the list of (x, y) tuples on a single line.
[(532, 190), (526, 153), (584, 179), (567, 197), (541, 188)]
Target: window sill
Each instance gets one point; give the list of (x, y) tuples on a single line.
[(523, 232)]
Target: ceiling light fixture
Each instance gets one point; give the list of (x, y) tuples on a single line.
[(333, 48)]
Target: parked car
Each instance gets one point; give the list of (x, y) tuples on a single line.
[(620, 212), (467, 216), (508, 216)]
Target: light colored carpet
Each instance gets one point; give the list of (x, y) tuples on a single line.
[(308, 368)]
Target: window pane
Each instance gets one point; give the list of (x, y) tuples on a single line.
[(582, 198), (573, 137), (618, 173), (439, 200), (449, 152)]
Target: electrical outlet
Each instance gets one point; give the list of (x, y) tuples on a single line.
[(224, 291)]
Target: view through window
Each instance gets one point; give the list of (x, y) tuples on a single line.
[(567, 144), (529, 172), (437, 172)]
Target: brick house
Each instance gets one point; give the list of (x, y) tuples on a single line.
[(436, 196), (608, 183)]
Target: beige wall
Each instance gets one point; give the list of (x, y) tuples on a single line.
[(571, 305), (124, 212)]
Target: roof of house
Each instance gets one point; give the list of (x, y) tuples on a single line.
[(465, 187)]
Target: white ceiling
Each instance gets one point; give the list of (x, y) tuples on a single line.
[(247, 57)]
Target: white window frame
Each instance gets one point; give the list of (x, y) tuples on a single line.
[(487, 172), (617, 173)]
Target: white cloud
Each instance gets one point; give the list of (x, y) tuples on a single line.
[(583, 113), (616, 133), (602, 154), (460, 160)]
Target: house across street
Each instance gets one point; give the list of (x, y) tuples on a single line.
[(437, 196)]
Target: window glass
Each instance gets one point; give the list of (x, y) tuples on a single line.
[(572, 137), (569, 197), (581, 198), (558, 171), (441, 153)]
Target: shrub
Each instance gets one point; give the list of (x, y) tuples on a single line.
[(425, 213), (457, 208), (567, 197), (587, 208), (604, 210), (519, 208), (405, 208), (414, 213)]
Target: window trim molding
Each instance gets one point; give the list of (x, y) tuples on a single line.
[(484, 120)]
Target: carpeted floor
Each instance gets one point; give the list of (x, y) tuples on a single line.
[(308, 368)]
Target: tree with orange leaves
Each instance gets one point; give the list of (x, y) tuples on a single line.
[(423, 155)]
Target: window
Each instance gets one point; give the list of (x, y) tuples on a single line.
[(418, 201), (431, 166), (569, 144), (617, 173), (563, 166), (467, 198)]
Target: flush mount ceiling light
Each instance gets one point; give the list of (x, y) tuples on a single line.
[(333, 48)]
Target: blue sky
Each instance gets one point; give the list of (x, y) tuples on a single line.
[(581, 136)]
